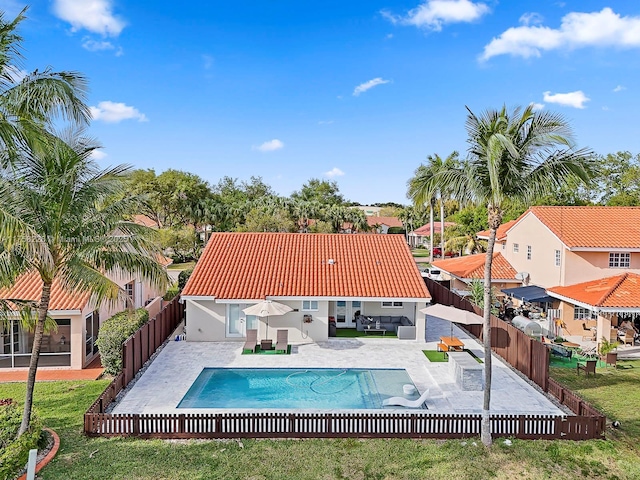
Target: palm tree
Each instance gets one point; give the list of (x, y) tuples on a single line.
[(514, 156), (421, 195), (29, 103), (62, 218)]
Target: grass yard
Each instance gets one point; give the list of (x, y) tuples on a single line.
[(420, 252), (354, 333), (61, 405), (181, 266)]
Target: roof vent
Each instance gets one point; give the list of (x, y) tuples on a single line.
[(331, 261)]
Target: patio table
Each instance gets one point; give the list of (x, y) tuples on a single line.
[(452, 343)]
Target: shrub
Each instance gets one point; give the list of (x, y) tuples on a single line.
[(171, 293), (397, 230), (114, 332), (15, 452), (183, 277)]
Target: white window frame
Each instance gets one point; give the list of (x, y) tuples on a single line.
[(557, 257), (529, 251), (619, 259), (309, 307), (391, 304), (580, 313), (516, 248)]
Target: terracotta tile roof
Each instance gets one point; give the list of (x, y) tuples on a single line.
[(257, 265), (592, 227), (388, 221), (472, 266), (145, 221), (621, 291), (425, 230), (29, 287), (501, 233)]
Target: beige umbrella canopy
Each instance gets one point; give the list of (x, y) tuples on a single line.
[(267, 308), (452, 314)]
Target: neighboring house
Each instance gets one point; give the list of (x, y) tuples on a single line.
[(383, 224), (501, 235), (571, 247), (320, 276), (461, 271), (420, 236), (369, 210), (78, 318)]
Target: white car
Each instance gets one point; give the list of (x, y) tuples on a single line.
[(432, 273)]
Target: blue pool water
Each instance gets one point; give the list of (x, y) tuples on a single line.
[(322, 388)]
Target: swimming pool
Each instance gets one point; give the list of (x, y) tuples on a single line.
[(300, 388)]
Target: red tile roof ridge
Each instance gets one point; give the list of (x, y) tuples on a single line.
[(613, 288)]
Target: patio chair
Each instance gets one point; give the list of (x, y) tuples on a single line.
[(589, 367), (403, 402), (252, 341), (282, 341), (587, 333), (629, 336)]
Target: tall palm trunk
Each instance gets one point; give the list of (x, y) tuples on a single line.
[(43, 307), (495, 218), (431, 229), (441, 227)]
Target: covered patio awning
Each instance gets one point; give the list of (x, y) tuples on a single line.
[(530, 293)]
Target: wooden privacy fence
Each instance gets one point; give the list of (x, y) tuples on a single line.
[(338, 425), (137, 349), (522, 352)]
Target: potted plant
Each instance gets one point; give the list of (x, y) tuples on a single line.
[(606, 351)]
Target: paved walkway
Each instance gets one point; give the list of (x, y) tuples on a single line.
[(92, 372), (166, 381)]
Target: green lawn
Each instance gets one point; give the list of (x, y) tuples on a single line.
[(353, 333), (61, 405), (181, 266), (420, 252)]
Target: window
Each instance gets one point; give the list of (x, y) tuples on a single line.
[(580, 313), (619, 260), (528, 252), (129, 290), (516, 248), (309, 305), (391, 304), (557, 258), (504, 246)]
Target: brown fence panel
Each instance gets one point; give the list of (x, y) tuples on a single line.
[(334, 425), (144, 343)]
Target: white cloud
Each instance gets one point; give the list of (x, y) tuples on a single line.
[(537, 106), (334, 172), (433, 14), (619, 88), (531, 18), (325, 122), (575, 99), (92, 15), (577, 30), (363, 87), (113, 112), (270, 146), (96, 45), (389, 36), (98, 155)]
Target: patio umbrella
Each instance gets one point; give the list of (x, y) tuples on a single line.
[(453, 315), (266, 308)]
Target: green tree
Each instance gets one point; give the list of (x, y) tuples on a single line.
[(619, 179), (62, 218), (514, 156), (30, 104), (268, 220), (323, 191)]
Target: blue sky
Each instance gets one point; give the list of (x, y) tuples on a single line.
[(355, 91)]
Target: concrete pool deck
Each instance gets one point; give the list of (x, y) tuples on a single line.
[(167, 379)]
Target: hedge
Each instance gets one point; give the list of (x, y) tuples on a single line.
[(183, 276), (14, 453), (171, 293), (112, 335)]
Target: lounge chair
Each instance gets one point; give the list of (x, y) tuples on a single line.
[(629, 337), (560, 351), (282, 341), (252, 341), (403, 402)]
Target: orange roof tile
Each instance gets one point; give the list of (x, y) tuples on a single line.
[(388, 221), (29, 287), (258, 265), (472, 266), (501, 233), (425, 230), (592, 226), (620, 291), (145, 221)]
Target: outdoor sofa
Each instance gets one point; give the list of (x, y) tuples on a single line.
[(388, 322)]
